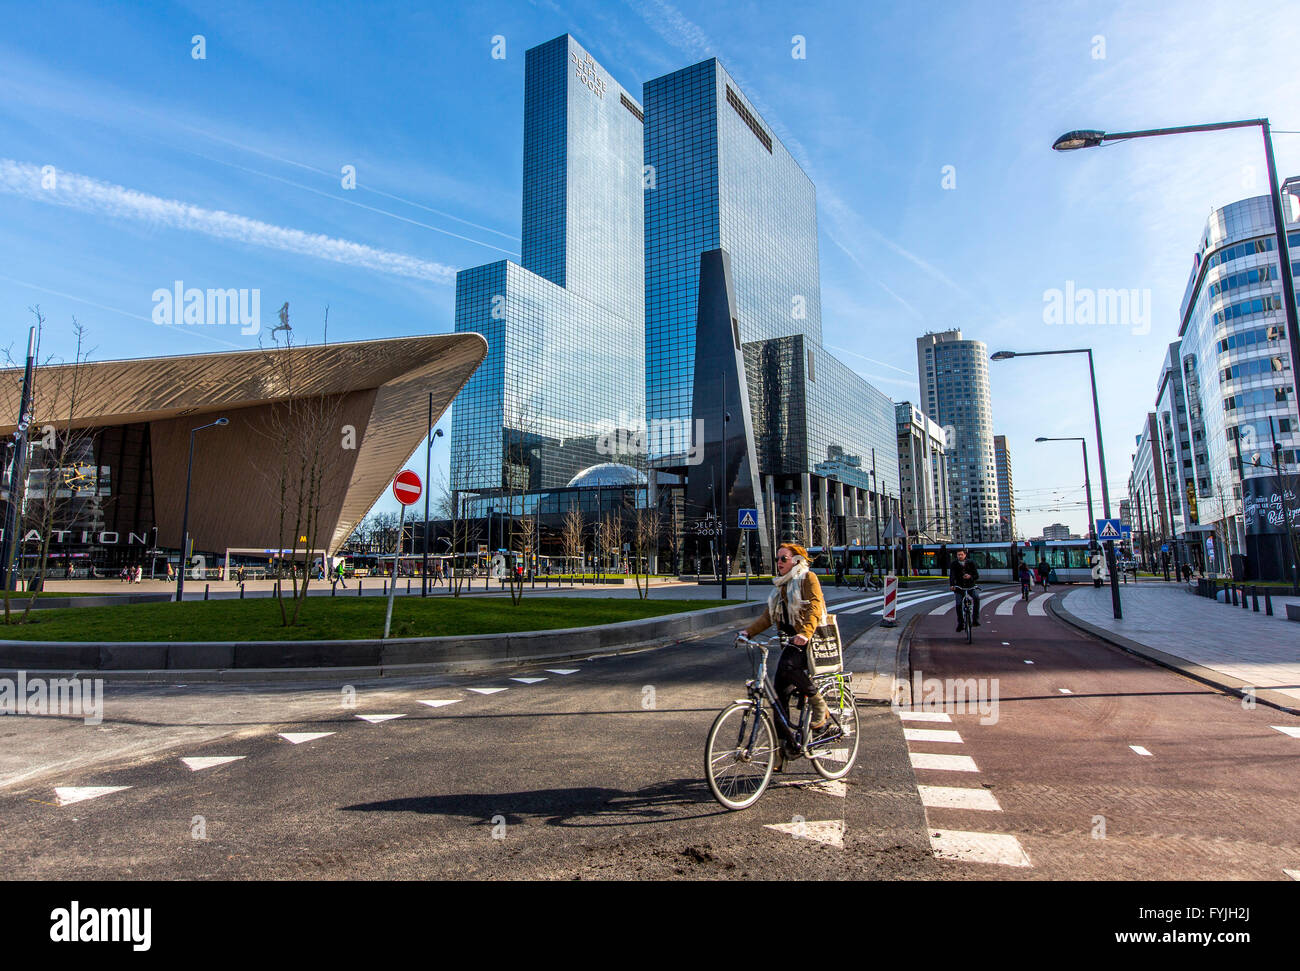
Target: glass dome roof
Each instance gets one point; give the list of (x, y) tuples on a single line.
[(607, 474)]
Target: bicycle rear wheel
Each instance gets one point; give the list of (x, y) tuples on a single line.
[(738, 773), (835, 758)]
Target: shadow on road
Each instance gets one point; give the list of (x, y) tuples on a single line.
[(578, 806)]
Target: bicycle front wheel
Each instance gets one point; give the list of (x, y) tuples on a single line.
[(834, 759), (739, 755), (970, 620)]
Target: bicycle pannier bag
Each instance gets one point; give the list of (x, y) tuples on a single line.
[(825, 655)]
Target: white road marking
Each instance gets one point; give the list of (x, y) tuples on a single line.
[(948, 763), (299, 737), (438, 702), (1293, 874), (563, 670), (1006, 643), (528, 680), (67, 795), (1029, 662), (1065, 691), (945, 609), (1287, 730), (1038, 606), (951, 844), (931, 735), (207, 762), (902, 604), (831, 787), (956, 797), (828, 831), (924, 716), (1140, 750), (376, 719), (486, 691), (1007, 606)]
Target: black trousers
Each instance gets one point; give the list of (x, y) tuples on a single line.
[(791, 676)]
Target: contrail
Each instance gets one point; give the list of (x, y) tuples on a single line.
[(118, 202)]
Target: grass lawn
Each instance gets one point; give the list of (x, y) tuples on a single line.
[(342, 618)]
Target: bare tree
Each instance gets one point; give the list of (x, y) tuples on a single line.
[(575, 526), (62, 472), (646, 525), (306, 433)]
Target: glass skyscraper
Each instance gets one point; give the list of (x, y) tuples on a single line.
[(595, 329), (718, 178), (566, 328)]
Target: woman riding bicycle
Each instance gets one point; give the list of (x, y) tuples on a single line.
[(1026, 579), (797, 608)]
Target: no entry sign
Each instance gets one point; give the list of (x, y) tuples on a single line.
[(407, 488)]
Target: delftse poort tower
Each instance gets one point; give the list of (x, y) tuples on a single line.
[(566, 329), (669, 281)]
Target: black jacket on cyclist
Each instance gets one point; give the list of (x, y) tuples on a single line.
[(964, 575)]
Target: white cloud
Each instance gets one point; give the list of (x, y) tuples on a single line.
[(90, 195)]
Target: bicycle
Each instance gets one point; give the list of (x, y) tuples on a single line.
[(739, 771), (865, 582), (1024, 589), (967, 609)]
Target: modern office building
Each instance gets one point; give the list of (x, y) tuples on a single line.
[(1057, 531), (1006, 490), (923, 469), (955, 394), (1226, 405), (1146, 489), (331, 424), (565, 327), (820, 437), (668, 284)]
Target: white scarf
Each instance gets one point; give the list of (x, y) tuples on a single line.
[(793, 584)]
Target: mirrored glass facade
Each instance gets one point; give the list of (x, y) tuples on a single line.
[(565, 329)]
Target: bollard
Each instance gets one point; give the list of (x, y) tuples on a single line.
[(1244, 604), (1230, 595), (206, 588), (358, 588), (1254, 599), (241, 590), (408, 584), (1268, 602), (334, 589), (385, 588)]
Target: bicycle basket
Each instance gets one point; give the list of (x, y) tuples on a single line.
[(825, 653)]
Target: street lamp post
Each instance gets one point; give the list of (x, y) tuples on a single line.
[(428, 448), (1087, 481), (1092, 139), (1101, 459), (185, 517)]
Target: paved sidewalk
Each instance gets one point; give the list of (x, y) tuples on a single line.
[(1222, 645)]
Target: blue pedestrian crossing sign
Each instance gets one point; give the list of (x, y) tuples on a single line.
[(747, 518), (1109, 529)]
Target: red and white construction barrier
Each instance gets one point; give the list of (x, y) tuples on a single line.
[(890, 611)]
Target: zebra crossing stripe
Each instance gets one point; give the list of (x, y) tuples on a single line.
[(1000, 848), (931, 735), (924, 716), (1038, 606), (958, 797), (946, 763)]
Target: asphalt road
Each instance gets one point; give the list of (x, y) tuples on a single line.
[(595, 771)]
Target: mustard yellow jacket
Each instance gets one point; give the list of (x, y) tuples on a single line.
[(814, 609)]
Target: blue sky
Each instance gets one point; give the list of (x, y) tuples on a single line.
[(232, 167)]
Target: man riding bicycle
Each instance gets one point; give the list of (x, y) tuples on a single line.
[(797, 608), (962, 577)]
